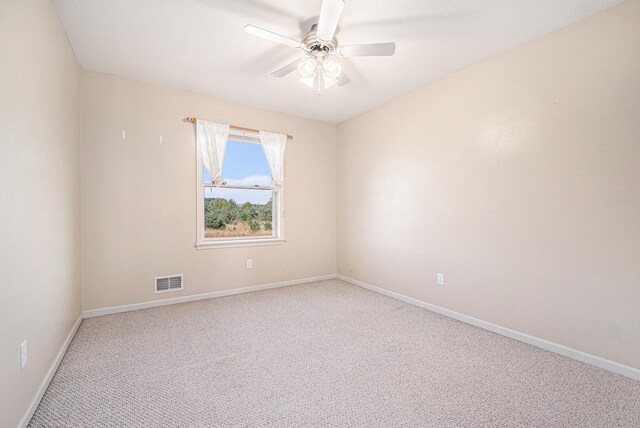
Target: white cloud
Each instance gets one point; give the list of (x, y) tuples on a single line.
[(260, 180)]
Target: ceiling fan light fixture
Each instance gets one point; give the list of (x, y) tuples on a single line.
[(319, 74)]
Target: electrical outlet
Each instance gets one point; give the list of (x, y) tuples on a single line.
[(23, 354), (440, 278), (249, 264)]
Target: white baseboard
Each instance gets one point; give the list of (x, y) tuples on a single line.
[(164, 302), (47, 379), (593, 360)]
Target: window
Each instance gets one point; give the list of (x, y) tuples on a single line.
[(244, 210)]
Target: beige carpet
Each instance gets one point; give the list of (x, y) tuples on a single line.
[(322, 354)]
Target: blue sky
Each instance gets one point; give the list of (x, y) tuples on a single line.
[(244, 163)]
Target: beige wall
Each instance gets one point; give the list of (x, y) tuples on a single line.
[(40, 197), (519, 178), (139, 196)]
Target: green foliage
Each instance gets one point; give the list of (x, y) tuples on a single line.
[(219, 212)]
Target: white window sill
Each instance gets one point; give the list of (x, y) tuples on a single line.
[(231, 243)]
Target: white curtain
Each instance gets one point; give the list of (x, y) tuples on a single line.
[(273, 146), (212, 139)]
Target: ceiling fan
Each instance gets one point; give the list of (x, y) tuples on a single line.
[(316, 69)]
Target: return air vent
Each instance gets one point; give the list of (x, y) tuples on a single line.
[(168, 283)]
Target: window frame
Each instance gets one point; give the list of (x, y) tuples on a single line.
[(277, 200)]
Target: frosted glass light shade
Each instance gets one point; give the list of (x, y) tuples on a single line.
[(307, 68), (331, 71)]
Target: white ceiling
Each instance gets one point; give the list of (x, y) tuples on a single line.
[(200, 46)]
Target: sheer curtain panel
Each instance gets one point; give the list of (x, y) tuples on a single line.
[(212, 141), (273, 145)]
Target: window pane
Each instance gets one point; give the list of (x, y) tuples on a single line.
[(244, 164), (237, 212)]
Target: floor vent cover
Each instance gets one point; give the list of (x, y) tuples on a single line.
[(168, 283)]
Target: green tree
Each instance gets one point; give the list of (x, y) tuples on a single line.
[(219, 212)]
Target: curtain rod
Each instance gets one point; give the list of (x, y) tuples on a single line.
[(242, 128)]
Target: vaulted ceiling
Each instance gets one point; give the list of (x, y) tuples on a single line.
[(200, 46)]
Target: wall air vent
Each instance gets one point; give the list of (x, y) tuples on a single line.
[(168, 283)]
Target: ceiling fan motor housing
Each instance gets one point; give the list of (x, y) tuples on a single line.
[(314, 46)]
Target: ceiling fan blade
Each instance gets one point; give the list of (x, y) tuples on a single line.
[(287, 68), (343, 79), (265, 34), (371, 49), (329, 16)]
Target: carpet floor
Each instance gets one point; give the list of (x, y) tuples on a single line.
[(321, 354)]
